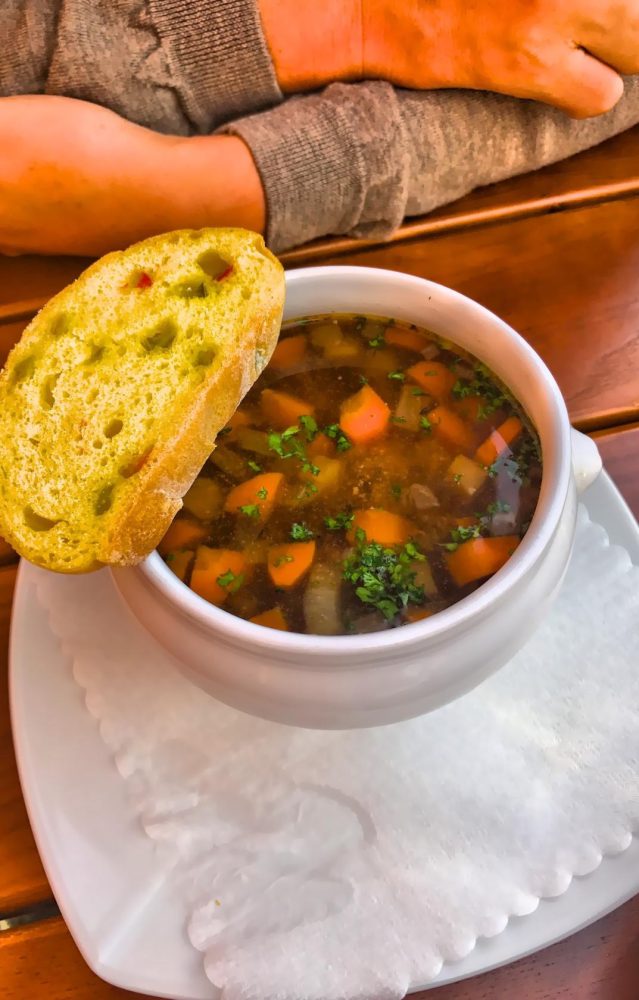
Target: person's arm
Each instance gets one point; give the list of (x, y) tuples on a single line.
[(78, 179), (357, 158)]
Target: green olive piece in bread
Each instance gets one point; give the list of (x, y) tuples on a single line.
[(111, 402)]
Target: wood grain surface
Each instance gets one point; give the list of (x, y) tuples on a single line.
[(600, 963), (568, 282), (607, 172)]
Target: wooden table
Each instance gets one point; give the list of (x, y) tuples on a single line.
[(557, 255)]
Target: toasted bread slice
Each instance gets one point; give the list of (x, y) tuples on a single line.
[(112, 400)]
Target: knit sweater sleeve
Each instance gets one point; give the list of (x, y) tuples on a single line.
[(357, 158), (179, 66)]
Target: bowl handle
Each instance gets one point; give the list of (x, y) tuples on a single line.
[(586, 460)]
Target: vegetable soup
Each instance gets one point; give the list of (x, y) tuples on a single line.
[(374, 475)]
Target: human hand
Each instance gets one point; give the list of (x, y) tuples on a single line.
[(568, 53), (77, 178)]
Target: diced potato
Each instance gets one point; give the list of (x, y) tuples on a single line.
[(204, 500), (325, 335), (251, 440), (424, 578), (229, 462), (467, 474), (345, 349), (380, 362), (409, 408), (329, 476), (180, 563)]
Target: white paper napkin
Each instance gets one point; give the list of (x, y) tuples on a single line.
[(331, 865)]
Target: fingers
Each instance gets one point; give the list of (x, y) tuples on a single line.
[(584, 86)]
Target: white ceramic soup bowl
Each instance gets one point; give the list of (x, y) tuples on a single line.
[(341, 682)]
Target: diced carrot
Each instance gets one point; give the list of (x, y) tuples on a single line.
[(272, 619), (180, 563), (282, 410), (451, 429), (433, 377), (287, 564), (182, 534), (380, 526), (259, 492), (322, 445), (204, 499), (364, 417), (479, 558), (239, 419), (410, 340), (289, 352), (499, 440), (6, 552), (210, 565), (417, 614)]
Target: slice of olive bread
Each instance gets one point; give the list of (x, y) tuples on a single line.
[(112, 400)]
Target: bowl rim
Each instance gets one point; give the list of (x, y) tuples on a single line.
[(554, 489)]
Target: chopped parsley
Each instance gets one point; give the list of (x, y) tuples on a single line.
[(483, 385), (417, 392), (230, 581), (307, 491), (253, 465), (288, 445), (425, 424), (250, 510), (339, 522), (384, 578), (377, 342), (462, 533), (362, 380), (281, 560), (398, 420), (309, 425), (262, 493), (336, 434), (396, 376), (457, 478), (301, 532)]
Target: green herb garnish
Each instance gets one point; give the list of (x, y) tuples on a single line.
[(230, 581), (384, 578), (425, 424), (281, 560), (336, 434), (396, 376), (253, 465), (262, 493), (339, 522), (301, 532), (250, 510), (310, 427), (396, 490), (483, 385)]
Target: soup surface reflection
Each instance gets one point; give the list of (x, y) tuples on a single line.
[(374, 475)]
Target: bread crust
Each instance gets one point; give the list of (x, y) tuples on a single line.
[(248, 312)]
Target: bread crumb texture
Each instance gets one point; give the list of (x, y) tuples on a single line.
[(111, 401)]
